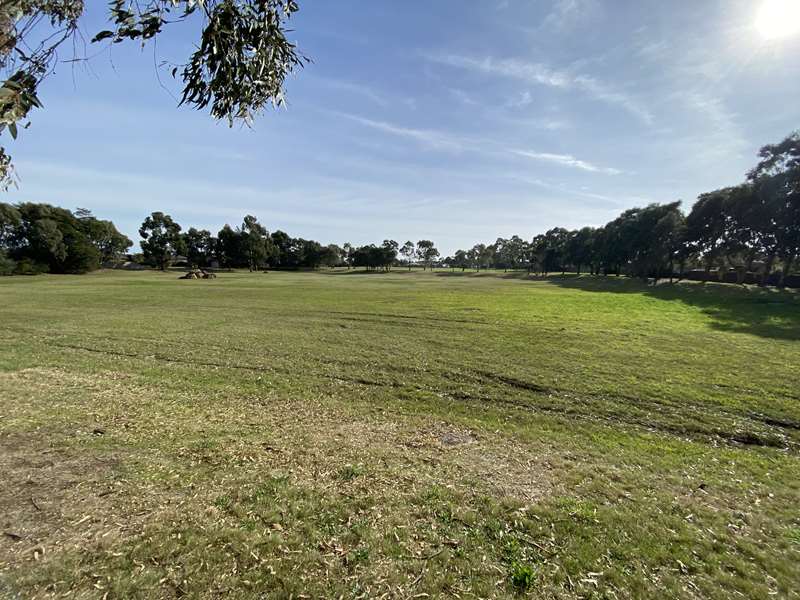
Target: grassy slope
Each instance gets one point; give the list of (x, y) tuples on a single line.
[(402, 434)]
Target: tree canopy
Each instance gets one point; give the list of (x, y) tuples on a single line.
[(239, 66), (37, 238)]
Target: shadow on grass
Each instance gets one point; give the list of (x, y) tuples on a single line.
[(360, 271), (765, 312), (486, 273)]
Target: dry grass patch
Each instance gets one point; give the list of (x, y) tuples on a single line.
[(266, 494)]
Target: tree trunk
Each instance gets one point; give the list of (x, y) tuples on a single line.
[(767, 270), (787, 265)]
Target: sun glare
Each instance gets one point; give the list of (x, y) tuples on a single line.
[(778, 18)]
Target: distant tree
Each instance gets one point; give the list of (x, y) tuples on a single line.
[(502, 259), (161, 239), (579, 248), (311, 253), (481, 256), (668, 240), (103, 235), (390, 248), (408, 250), (199, 247), (509, 253), (256, 243), (550, 250), (47, 238), (460, 260), (331, 256), (707, 228), (347, 250), (285, 254), (426, 253), (728, 226), (748, 230), (369, 257), (229, 249), (10, 220), (654, 234)]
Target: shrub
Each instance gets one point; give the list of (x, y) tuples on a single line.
[(27, 266), (7, 266)]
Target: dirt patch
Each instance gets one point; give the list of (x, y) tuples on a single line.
[(47, 490), (449, 455)]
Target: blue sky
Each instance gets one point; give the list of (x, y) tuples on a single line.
[(457, 121)]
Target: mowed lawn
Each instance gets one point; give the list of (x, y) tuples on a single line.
[(402, 435)]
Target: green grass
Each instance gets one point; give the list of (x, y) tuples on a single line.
[(329, 435)]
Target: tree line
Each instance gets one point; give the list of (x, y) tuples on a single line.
[(40, 238), (251, 246), (753, 226), (747, 228)]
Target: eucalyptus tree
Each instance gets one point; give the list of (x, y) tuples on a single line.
[(284, 254), (237, 68), (347, 251), (332, 256), (650, 238), (579, 248), (748, 229), (255, 242), (509, 253), (389, 248), (310, 253), (426, 253), (41, 237), (460, 260), (706, 227), (10, 219), (728, 226), (777, 181), (199, 246), (161, 239), (103, 235), (550, 250), (408, 250), (228, 249), (481, 256)]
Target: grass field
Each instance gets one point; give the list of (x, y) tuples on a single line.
[(327, 435)]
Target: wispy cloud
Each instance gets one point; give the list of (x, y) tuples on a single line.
[(463, 97), (699, 89), (542, 74), (549, 124), (566, 13), (427, 137), (567, 160), (438, 140), (357, 89), (520, 100), (367, 92)]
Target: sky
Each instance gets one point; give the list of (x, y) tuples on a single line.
[(458, 121)]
